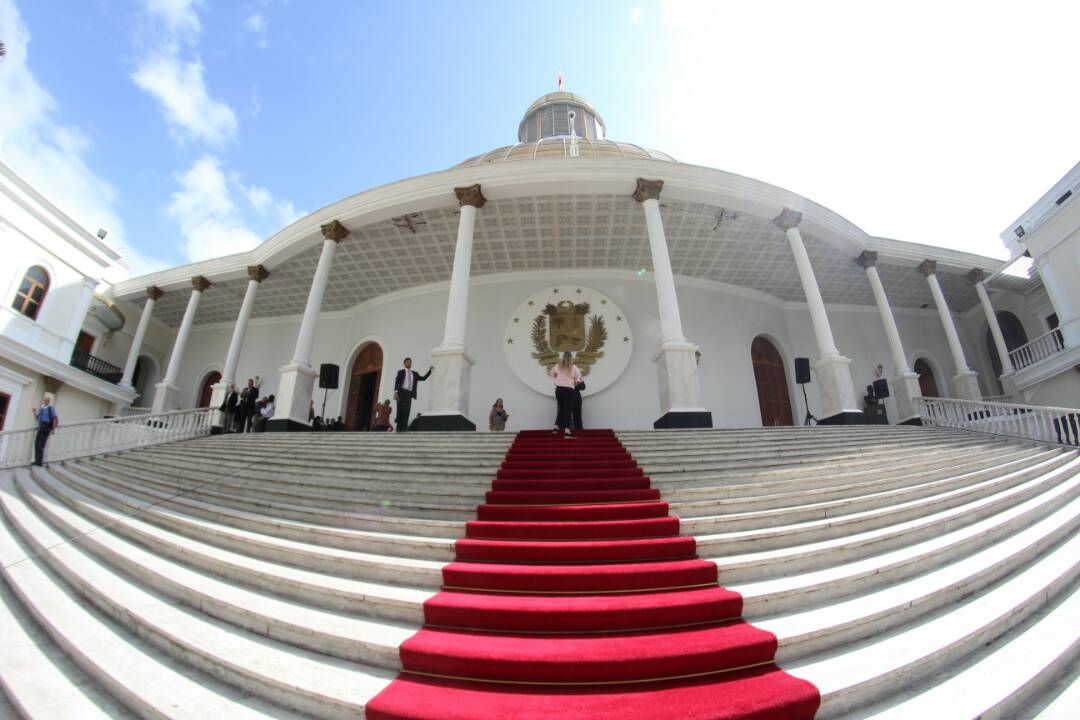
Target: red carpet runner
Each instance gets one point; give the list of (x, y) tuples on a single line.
[(573, 596)]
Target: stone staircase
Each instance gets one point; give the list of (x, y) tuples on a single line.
[(905, 572)]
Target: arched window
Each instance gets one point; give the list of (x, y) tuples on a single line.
[(32, 291)]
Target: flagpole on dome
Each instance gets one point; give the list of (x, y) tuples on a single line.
[(560, 81)]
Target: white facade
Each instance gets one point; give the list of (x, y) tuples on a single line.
[(36, 353)]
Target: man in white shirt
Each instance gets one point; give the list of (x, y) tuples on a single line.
[(405, 392)]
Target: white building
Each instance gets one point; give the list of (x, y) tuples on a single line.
[(58, 334), (702, 288)]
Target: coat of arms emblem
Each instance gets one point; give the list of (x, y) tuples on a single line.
[(565, 327)]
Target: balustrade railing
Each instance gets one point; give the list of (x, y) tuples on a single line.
[(95, 437), (96, 366), (1028, 422), (1038, 349), (135, 411)]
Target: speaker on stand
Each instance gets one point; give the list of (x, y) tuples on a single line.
[(328, 380), (802, 377)]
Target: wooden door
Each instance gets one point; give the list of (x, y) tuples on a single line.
[(85, 342), (369, 360), (927, 381), (772, 387), (208, 388)]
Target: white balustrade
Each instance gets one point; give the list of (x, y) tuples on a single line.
[(96, 437), (135, 411), (1028, 422), (1038, 349)]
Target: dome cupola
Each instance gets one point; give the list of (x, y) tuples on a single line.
[(554, 114)]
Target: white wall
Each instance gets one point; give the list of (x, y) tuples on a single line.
[(722, 320), (72, 404)]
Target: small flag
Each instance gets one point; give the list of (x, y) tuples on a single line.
[(560, 81)]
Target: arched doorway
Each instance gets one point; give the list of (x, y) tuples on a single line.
[(364, 387), (208, 388), (1012, 332), (143, 380), (772, 387), (927, 381)]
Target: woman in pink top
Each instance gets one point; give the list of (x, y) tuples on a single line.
[(567, 375)]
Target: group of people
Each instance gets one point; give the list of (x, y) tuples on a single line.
[(245, 411), (568, 387), (317, 422)]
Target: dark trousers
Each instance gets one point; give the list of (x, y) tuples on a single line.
[(575, 413), (564, 397), (404, 406), (39, 444)]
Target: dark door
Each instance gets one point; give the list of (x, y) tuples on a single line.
[(208, 388), (927, 381), (367, 383), (85, 342), (772, 388), (5, 400)]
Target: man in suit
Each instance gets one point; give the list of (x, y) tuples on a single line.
[(228, 408), (405, 392), (249, 399)]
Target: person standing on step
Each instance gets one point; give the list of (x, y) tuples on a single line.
[(567, 376), (381, 422), (229, 408), (575, 413), (497, 417), (405, 392), (249, 406), (47, 422)]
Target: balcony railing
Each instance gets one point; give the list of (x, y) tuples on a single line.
[(1038, 349), (96, 437), (96, 366), (1027, 422)]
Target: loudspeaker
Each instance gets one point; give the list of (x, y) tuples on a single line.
[(328, 376), (802, 370), (881, 388)]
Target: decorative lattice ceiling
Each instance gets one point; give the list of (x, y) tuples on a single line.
[(566, 231)]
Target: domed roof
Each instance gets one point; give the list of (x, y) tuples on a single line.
[(561, 147), (562, 124)]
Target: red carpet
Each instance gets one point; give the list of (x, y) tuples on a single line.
[(574, 596)]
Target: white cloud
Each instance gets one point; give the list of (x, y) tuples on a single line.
[(211, 219), (179, 15), (635, 15), (53, 157), (211, 223), (180, 88), (257, 24)]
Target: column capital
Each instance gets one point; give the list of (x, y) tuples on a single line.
[(470, 195), (976, 276), (867, 259), (648, 189), (200, 283), (927, 267), (335, 231), (258, 273), (154, 292), (787, 219)]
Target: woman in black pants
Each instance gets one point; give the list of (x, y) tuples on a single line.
[(566, 375)]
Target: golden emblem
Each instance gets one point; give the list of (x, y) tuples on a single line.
[(565, 330)]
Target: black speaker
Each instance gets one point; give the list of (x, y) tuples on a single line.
[(881, 388), (328, 373), (802, 370)]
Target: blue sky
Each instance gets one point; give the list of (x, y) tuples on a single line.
[(192, 128)]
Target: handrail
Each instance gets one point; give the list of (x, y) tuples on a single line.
[(1056, 425), (1038, 349), (96, 437)]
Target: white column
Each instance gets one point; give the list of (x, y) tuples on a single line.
[(676, 358), (153, 294), (256, 274), (905, 384), (293, 397), (450, 379), (165, 391), (966, 380), (833, 370), (976, 277)]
